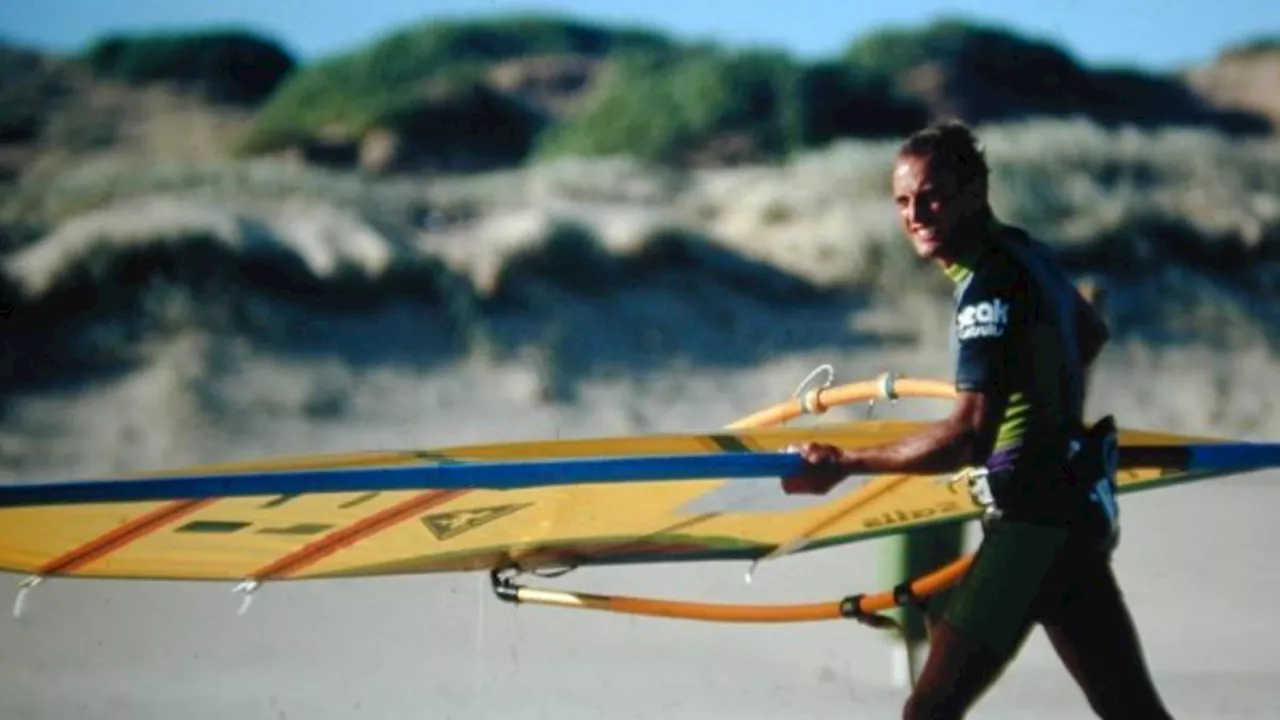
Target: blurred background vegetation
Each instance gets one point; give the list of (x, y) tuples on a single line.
[(454, 157), (476, 95), (448, 122)]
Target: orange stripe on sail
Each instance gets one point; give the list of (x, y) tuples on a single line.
[(331, 543), (121, 536)]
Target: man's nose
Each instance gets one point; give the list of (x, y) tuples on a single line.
[(918, 213), (913, 212)]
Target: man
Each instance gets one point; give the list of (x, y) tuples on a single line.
[(1022, 338)]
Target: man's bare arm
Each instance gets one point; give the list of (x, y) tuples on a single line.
[(965, 437)]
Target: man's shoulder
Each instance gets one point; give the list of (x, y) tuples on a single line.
[(997, 265), (992, 298), (998, 296), (1017, 246), (1016, 257)]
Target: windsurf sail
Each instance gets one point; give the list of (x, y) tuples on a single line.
[(521, 507)]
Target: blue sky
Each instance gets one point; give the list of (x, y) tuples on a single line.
[(1158, 34)]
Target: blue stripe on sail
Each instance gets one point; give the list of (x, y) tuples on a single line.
[(1221, 457), (486, 476), (1234, 456)]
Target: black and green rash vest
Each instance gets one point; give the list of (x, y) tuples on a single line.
[(1021, 330)]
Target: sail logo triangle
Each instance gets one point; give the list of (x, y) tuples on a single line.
[(449, 525)]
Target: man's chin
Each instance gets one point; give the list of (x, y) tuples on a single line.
[(928, 250)]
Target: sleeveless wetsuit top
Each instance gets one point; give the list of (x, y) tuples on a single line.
[(1022, 331)]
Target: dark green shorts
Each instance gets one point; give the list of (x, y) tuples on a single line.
[(1019, 573)]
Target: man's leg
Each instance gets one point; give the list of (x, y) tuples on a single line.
[(1094, 635), (958, 671), (911, 555), (986, 621)]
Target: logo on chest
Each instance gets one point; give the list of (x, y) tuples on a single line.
[(985, 319)]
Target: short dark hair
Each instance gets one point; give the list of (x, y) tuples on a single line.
[(955, 144)]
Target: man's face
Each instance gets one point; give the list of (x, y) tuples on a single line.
[(931, 205)]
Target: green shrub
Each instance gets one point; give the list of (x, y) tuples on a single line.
[(893, 50), (470, 127), (661, 108), (1010, 73), (357, 90), (232, 66), (1262, 45), (834, 101)]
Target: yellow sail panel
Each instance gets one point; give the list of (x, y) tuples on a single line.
[(239, 537), (919, 501), (431, 526), (299, 462), (357, 533), (563, 526), (65, 539), (883, 504), (1149, 437), (517, 526)]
